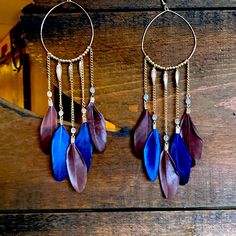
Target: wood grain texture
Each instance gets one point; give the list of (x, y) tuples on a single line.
[(138, 4), (118, 60), (127, 203), (174, 223), (118, 71), (26, 181)]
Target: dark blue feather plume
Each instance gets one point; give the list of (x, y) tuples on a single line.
[(181, 158), (152, 151), (84, 143), (60, 143)]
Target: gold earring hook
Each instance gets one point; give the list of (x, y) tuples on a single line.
[(164, 5)]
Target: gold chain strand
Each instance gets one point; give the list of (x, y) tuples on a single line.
[(166, 110), (59, 78), (165, 81), (81, 69), (188, 100), (177, 76), (145, 84), (61, 113), (188, 80), (71, 75), (49, 92), (154, 98), (177, 112), (48, 71), (92, 89), (91, 68), (82, 81), (154, 95), (177, 102)]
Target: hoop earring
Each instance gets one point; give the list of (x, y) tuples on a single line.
[(72, 154), (173, 167)]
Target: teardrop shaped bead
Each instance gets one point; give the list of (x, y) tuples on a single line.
[(152, 152), (154, 75), (97, 127), (165, 79), (47, 128), (84, 143), (141, 132), (60, 143), (181, 158), (177, 76), (59, 71), (76, 167), (169, 178), (191, 138)]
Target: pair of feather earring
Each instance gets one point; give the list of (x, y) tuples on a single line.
[(72, 156), (174, 165)]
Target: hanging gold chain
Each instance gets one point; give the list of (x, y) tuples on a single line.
[(92, 89), (177, 108), (49, 92), (188, 96), (48, 71), (177, 103), (188, 80), (166, 110), (81, 69), (82, 81), (71, 75), (166, 136), (154, 90), (145, 84), (61, 113), (91, 68), (154, 95)]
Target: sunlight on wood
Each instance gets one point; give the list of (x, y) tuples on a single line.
[(10, 12)]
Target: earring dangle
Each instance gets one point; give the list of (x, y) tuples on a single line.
[(72, 154), (152, 147), (96, 121), (188, 130), (76, 166), (49, 123), (169, 178), (181, 153)]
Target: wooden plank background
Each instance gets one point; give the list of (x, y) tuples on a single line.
[(140, 5), (119, 199)]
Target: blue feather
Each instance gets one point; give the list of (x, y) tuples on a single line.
[(84, 144), (152, 151), (181, 158), (60, 143)]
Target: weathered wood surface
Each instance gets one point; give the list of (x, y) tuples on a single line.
[(118, 70), (26, 181), (118, 61), (195, 223), (139, 4), (116, 180)]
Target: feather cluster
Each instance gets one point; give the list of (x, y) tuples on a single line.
[(73, 160), (173, 167)]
